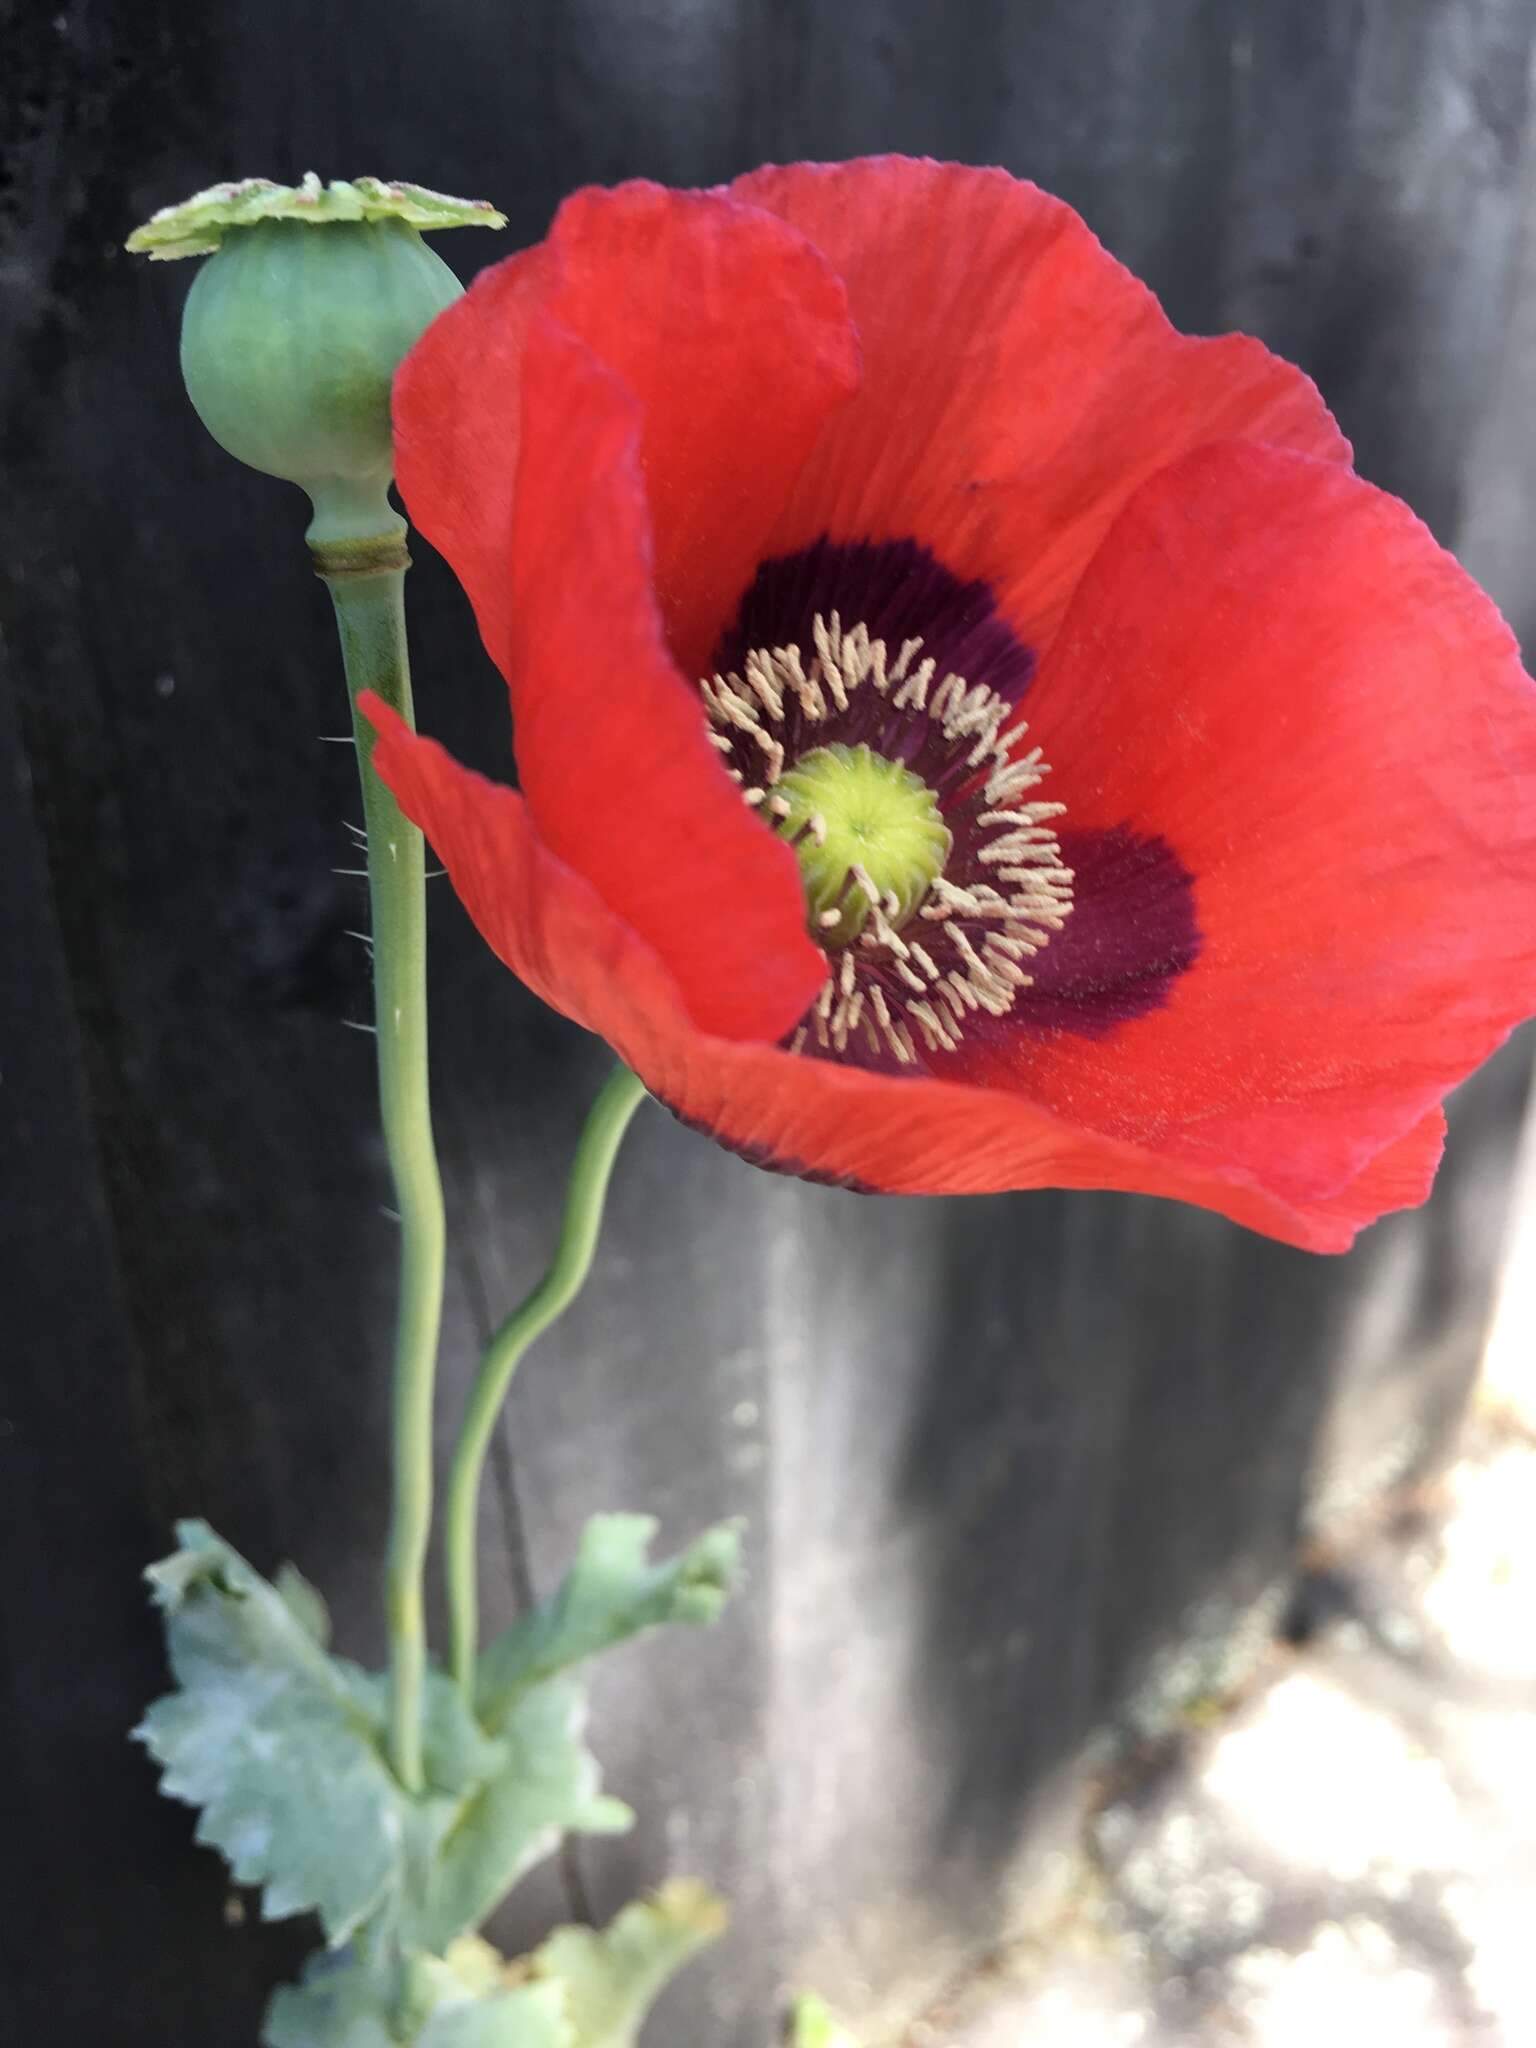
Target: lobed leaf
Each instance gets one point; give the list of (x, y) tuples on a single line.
[(281, 1746), (344, 2002), (611, 1978), (305, 1603), (581, 1989), (341, 2003), (548, 1785), (272, 1739), (612, 1591), (530, 2017)]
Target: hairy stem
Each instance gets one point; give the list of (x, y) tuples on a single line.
[(586, 1192), (367, 585)]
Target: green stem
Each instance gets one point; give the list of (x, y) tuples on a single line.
[(596, 1152), (367, 585)]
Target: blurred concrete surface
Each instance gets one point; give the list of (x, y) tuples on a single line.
[(1345, 1854)]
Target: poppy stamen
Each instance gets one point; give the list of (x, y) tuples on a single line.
[(905, 797)]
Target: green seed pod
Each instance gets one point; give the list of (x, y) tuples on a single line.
[(290, 340), (294, 328)]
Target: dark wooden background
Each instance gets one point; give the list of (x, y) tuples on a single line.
[(1018, 1471)]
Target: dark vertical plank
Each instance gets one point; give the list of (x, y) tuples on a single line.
[(1122, 113), (97, 1884), (1377, 199)]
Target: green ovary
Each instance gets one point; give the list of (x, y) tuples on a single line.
[(852, 808)]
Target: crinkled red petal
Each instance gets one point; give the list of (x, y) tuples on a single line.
[(612, 749), (1274, 667), (604, 398), (1019, 383), (899, 1136), (734, 336), (458, 410), (729, 329)]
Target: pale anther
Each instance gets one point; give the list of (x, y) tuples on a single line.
[(977, 924)]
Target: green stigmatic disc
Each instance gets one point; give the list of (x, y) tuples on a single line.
[(854, 812)]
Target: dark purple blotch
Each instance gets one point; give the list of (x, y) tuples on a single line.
[(900, 591), (1131, 934)]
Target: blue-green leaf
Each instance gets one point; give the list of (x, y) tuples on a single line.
[(304, 1603), (340, 2004), (272, 1739), (531, 2017), (547, 1786), (611, 1978), (344, 2002), (612, 1590), (282, 1747)]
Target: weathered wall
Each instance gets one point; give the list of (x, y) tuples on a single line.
[(1014, 1468)]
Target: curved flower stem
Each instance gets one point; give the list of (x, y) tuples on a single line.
[(367, 585), (586, 1192)]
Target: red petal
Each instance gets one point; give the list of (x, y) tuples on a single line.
[(612, 749), (507, 418), (729, 329), (733, 333), (1275, 668), (1018, 382), (458, 407), (611, 741), (902, 1136)]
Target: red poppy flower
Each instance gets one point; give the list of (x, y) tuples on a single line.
[(970, 735)]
